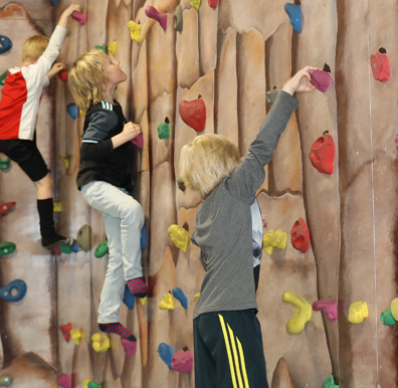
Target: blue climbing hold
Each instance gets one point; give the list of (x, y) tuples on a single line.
[(128, 298), (180, 295), (18, 285), (143, 238), (75, 247), (5, 44), (294, 12), (72, 110), (54, 2), (165, 353)]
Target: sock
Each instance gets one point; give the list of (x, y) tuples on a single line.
[(138, 287), (117, 328)]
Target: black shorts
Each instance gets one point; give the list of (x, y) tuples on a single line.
[(228, 350), (26, 154)]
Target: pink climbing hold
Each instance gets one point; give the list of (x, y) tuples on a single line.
[(138, 141), (55, 250), (129, 347), (396, 141), (66, 330), (152, 13), (64, 381), (182, 361), (327, 306), (320, 79), (80, 17)]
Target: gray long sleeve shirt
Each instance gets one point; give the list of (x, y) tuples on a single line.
[(223, 225)]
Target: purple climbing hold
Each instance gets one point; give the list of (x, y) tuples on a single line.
[(320, 79)]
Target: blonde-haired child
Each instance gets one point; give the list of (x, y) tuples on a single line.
[(19, 107), (105, 180), (227, 335)]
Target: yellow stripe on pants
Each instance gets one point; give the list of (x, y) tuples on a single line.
[(231, 333), (242, 361)]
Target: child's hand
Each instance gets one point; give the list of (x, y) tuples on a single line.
[(265, 220), (297, 82), (57, 67), (65, 15), (131, 130)]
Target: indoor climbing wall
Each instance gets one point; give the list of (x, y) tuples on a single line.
[(225, 56)]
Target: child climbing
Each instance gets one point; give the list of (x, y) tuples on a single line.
[(105, 180), (227, 335), (19, 107)]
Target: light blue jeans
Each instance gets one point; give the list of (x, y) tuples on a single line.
[(124, 219)]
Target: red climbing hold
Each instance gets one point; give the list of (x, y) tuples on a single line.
[(322, 154), (129, 347), (381, 65), (300, 235), (182, 361), (138, 141), (6, 207), (66, 330), (63, 75), (152, 13), (193, 113), (320, 79), (212, 3)]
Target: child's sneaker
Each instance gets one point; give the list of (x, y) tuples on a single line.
[(57, 240)]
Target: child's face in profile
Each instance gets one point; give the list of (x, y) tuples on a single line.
[(114, 72)]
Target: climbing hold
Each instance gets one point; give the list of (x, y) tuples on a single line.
[(102, 48), (6, 248), (212, 3), (128, 298), (75, 247), (54, 2), (152, 13), (101, 250), (178, 19), (380, 65), (182, 361), (4, 164), (272, 95), (143, 300), (5, 44), (302, 312), (72, 110), (64, 381), (93, 384), (101, 342), (195, 4), (57, 207), (6, 207), (80, 17), (82, 113), (166, 354), (167, 302), (6, 292), (143, 238), (300, 236), (180, 296), (273, 240), (394, 308), (86, 382), (181, 184), (387, 318), (65, 249), (64, 160), (129, 347), (84, 238), (179, 237), (329, 383), (294, 13), (66, 330), (139, 141), (358, 312), (77, 336), (112, 48), (63, 75), (163, 131), (3, 77), (135, 31), (6, 381), (196, 298), (327, 306), (320, 79), (55, 250), (193, 113), (322, 154)]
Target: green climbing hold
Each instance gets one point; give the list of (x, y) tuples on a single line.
[(101, 250), (6, 381), (164, 131), (3, 77), (93, 384), (6, 248), (103, 48), (329, 383), (387, 318), (65, 249), (4, 164)]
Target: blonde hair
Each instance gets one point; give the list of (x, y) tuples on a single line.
[(87, 79), (206, 161), (34, 47)]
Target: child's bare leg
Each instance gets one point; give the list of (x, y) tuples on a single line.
[(44, 187)]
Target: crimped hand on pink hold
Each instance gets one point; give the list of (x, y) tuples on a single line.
[(131, 130), (297, 83)]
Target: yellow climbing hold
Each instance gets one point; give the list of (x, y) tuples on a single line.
[(273, 240), (135, 31), (179, 237), (143, 300), (167, 302), (195, 4), (64, 160), (77, 336), (112, 48), (101, 342), (57, 207), (85, 382), (302, 312), (196, 297), (358, 312), (82, 113), (394, 308)]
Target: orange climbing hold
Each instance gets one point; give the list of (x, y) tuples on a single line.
[(193, 113)]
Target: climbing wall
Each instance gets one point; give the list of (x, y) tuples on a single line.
[(229, 56)]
